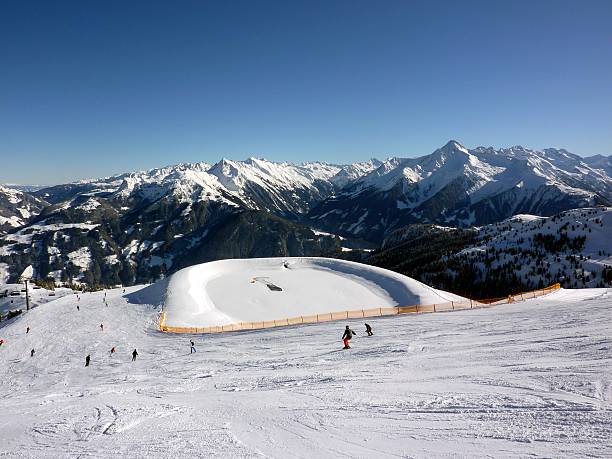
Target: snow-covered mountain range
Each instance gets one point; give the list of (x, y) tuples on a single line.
[(460, 187), (136, 226)]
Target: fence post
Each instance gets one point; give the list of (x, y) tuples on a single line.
[(347, 314), (417, 308), (302, 317), (453, 305), (471, 304), (434, 307), (317, 318), (362, 313), (380, 311)]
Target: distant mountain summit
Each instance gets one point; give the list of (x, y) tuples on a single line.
[(137, 226)]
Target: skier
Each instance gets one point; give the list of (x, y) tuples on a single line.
[(112, 350), (102, 327), (368, 330), (134, 354), (193, 349), (1, 342), (32, 353), (348, 334), (27, 330), (87, 359), (78, 309)]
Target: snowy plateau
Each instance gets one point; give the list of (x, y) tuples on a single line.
[(527, 379)]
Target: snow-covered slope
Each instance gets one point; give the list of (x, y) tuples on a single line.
[(573, 248), (16, 207), (600, 162), (231, 291), (528, 379), (37, 296)]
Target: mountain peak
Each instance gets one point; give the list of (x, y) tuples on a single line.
[(454, 145)]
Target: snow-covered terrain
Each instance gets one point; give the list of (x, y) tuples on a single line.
[(573, 248), (16, 207), (231, 291), (38, 296), (527, 379)]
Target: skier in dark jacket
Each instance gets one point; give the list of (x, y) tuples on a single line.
[(32, 353), (112, 350), (348, 334), (193, 349), (87, 359), (134, 354), (369, 330)]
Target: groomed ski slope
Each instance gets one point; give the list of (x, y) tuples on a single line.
[(246, 290), (525, 379)]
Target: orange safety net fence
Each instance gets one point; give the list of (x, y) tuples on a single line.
[(360, 313)]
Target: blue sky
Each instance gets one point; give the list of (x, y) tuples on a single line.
[(90, 89)]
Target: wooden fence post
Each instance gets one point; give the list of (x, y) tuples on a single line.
[(434, 307)]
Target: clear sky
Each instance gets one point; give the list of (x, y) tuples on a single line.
[(92, 88)]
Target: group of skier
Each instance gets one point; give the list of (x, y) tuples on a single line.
[(348, 335), (88, 357), (112, 351), (346, 338)]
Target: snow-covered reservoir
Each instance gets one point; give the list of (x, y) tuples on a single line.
[(247, 290)]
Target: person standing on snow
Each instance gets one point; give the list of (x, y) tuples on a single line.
[(27, 330), (368, 330), (87, 359), (348, 334), (193, 349), (134, 354), (102, 327), (32, 353), (112, 350)]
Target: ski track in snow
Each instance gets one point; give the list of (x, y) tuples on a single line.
[(528, 379)]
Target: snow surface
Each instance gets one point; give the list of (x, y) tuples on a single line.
[(38, 296), (527, 379), (230, 291)]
